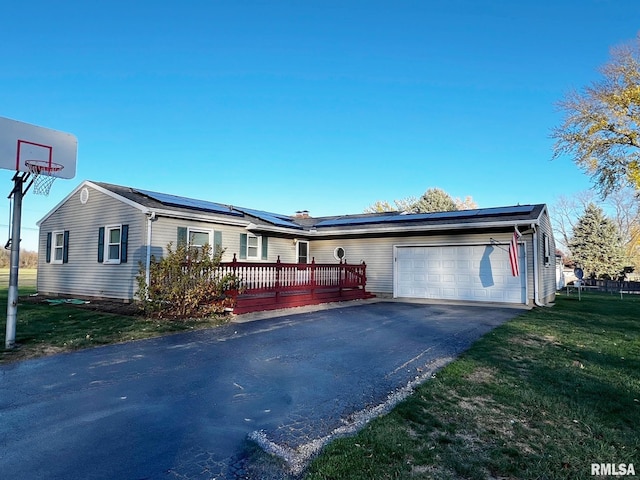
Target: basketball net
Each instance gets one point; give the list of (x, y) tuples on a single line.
[(42, 173)]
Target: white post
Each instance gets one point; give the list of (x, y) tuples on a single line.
[(12, 300)]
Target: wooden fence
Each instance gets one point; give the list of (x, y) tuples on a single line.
[(614, 286)]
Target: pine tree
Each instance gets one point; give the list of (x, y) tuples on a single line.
[(596, 246), (434, 200)]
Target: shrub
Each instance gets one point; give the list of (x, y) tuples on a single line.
[(186, 283)]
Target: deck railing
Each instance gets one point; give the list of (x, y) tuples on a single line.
[(261, 277)]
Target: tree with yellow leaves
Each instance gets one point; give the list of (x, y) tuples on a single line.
[(601, 129)]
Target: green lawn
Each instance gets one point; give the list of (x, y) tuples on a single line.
[(44, 329), (542, 397)]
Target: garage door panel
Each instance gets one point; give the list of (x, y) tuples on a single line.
[(477, 273)]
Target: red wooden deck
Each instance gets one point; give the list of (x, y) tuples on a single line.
[(269, 286)]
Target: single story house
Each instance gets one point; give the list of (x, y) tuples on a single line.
[(93, 242)]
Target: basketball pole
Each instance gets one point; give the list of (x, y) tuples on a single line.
[(12, 300)]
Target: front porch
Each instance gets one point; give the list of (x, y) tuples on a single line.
[(270, 286)]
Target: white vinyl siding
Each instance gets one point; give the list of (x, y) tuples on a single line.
[(165, 232), (82, 275), (378, 253), (547, 270)]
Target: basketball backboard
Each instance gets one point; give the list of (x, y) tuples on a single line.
[(22, 145)]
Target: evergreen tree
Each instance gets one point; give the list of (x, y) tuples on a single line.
[(596, 246), (434, 200)]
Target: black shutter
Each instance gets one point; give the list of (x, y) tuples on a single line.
[(65, 247), (243, 245), (182, 236), (217, 241), (124, 243), (101, 245), (48, 251)]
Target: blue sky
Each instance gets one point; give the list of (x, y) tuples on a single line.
[(319, 105)]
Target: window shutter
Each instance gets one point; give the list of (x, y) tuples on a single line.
[(124, 243), (243, 245), (217, 241), (48, 251), (65, 247), (182, 236), (265, 245), (101, 245)]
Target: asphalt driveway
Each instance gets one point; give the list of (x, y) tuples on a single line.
[(194, 405)]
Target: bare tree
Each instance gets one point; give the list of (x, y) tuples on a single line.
[(622, 207)]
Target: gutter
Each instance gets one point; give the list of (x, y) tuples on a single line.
[(317, 233), (194, 216), (151, 216)]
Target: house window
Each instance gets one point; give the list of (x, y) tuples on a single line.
[(199, 238), (303, 251), (112, 252), (253, 247), (113, 244), (547, 249), (57, 247)]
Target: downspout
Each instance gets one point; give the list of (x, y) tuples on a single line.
[(151, 216), (536, 285)]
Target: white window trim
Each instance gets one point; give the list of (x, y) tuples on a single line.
[(258, 255), (208, 231), (298, 250), (546, 250), (107, 236), (54, 247)]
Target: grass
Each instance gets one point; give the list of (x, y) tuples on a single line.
[(541, 397), (44, 329)]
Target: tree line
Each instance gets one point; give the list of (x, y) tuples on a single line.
[(28, 259)]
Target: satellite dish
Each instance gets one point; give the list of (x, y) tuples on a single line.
[(578, 273)]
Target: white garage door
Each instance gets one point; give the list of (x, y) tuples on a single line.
[(471, 272)]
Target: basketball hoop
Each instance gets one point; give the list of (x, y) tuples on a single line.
[(43, 175)]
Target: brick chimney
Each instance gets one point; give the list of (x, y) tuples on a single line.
[(302, 214)]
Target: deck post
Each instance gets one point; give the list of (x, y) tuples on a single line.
[(277, 284), (363, 280), (313, 277)]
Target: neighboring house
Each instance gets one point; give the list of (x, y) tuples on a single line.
[(93, 242)]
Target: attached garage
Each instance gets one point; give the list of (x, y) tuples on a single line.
[(479, 273)]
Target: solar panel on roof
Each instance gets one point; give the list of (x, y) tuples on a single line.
[(425, 216), (508, 210), (192, 203), (273, 218)]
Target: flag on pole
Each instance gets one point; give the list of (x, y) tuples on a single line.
[(513, 254)]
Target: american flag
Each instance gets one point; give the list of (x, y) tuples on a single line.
[(513, 254)]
